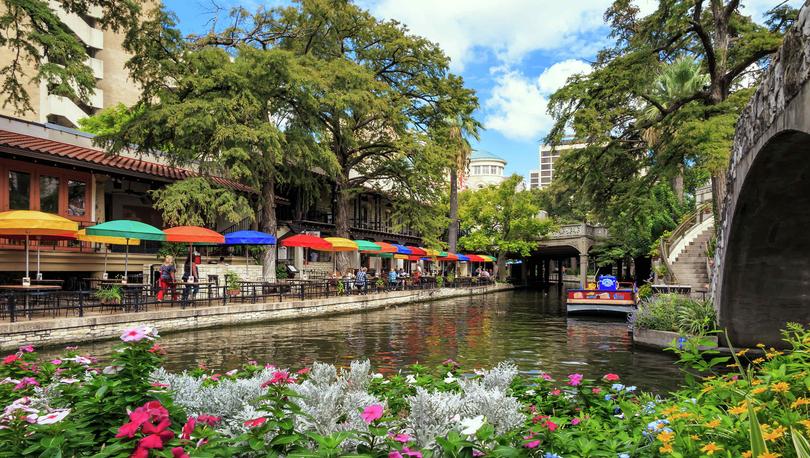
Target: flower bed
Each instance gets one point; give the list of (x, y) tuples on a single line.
[(129, 406)]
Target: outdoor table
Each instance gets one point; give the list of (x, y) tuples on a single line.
[(184, 284), (28, 288), (45, 282)]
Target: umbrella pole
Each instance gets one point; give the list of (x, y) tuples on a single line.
[(38, 242), (26, 256), (126, 261), (247, 260), (106, 251)]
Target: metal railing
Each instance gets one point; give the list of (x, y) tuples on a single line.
[(666, 243), (139, 297)]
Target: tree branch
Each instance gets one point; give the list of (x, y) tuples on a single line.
[(711, 60)]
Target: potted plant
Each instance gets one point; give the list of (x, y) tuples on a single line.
[(232, 287), (109, 295), (439, 281), (380, 283)]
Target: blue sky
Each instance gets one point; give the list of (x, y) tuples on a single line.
[(514, 53)]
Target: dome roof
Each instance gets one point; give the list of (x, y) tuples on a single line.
[(481, 155)]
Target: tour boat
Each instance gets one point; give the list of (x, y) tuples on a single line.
[(608, 296)]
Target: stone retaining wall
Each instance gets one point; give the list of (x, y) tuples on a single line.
[(100, 327)]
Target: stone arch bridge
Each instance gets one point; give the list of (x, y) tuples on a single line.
[(569, 241), (761, 278)]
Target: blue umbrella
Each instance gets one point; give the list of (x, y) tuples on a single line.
[(461, 257), (402, 249), (249, 238)]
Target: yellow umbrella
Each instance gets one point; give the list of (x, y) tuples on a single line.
[(431, 253), (30, 223), (339, 244), (106, 239)]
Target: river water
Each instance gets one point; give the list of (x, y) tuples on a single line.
[(529, 327)]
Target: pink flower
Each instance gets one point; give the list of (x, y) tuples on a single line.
[(253, 362), (128, 430), (611, 377), (394, 454), (554, 392), (303, 371), (26, 382), (56, 362), (575, 379), (53, 417), (71, 347), (402, 438), (576, 421), (532, 444), (371, 413), (546, 377), (478, 453), (209, 420), (27, 349), (412, 453), (10, 359), (160, 385), (255, 422), (157, 349), (596, 390), (188, 428), (279, 378), (151, 441), (135, 334), (551, 425), (179, 452)]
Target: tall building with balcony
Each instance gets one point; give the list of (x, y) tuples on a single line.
[(105, 56), (485, 169), (548, 156)]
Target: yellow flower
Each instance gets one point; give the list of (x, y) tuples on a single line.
[(756, 382), (760, 345), (769, 455), (780, 387), (746, 454), (758, 360), (773, 354), (713, 424), (759, 390), (669, 410), (806, 424), (665, 436), (679, 415), (800, 402), (666, 448), (707, 388), (742, 352), (694, 437), (710, 448), (739, 410), (733, 365), (771, 436)]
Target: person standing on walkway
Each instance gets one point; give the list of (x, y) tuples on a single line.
[(192, 275), (361, 279), (166, 278)]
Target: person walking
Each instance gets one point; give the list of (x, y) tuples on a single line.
[(166, 278), (191, 275)]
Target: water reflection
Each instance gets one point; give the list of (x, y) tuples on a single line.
[(527, 327)]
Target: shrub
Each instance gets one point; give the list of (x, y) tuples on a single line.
[(675, 313)]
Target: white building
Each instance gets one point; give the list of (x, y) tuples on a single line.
[(485, 169), (539, 179)]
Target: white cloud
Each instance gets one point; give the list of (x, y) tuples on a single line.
[(509, 29), (517, 107)]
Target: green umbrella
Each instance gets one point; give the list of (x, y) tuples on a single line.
[(127, 229), (365, 245)]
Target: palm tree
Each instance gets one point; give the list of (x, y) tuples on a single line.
[(676, 81), (460, 130)]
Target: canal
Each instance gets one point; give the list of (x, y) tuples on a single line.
[(529, 327)]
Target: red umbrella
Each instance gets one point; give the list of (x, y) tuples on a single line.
[(193, 234), (476, 258), (416, 251), (307, 241)]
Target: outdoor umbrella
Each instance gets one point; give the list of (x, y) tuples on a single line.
[(448, 256), (385, 248), (416, 251), (106, 240), (462, 258), (306, 241), (339, 244), (365, 246), (249, 238), (29, 223), (191, 235), (476, 258), (402, 249), (128, 230)]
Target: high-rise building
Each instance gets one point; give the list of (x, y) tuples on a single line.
[(105, 56), (548, 157), (486, 169)]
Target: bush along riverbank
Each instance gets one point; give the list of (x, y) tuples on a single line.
[(75, 405)]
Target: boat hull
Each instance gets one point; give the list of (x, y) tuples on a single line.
[(617, 302)]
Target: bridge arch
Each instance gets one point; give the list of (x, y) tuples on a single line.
[(761, 278)]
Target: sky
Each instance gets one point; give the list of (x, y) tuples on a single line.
[(514, 53)]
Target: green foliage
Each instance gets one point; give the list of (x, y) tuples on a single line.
[(232, 281), (110, 120), (200, 202), (109, 294), (675, 313), (281, 272), (501, 219), (33, 35)]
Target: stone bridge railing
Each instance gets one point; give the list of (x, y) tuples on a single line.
[(568, 231)]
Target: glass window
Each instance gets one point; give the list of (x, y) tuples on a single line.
[(77, 191), (49, 194), (19, 190)]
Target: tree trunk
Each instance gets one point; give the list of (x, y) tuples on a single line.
[(452, 232), (718, 195), (500, 267), (677, 184), (269, 225), (342, 204)]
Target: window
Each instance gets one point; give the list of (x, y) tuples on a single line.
[(77, 192), (48, 194), (19, 190)]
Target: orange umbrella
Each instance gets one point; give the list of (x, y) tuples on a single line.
[(386, 248), (307, 241), (192, 234)]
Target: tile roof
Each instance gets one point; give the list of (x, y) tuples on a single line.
[(98, 157)]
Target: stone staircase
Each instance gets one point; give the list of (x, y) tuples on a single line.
[(689, 265)]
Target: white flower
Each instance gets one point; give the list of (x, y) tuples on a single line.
[(449, 378), (471, 425), (9, 380), (410, 379), (110, 370), (53, 417), (386, 382), (232, 372), (68, 380), (377, 375), (531, 392)]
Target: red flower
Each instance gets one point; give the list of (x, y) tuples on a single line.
[(10, 359), (188, 428), (255, 422), (151, 441), (157, 349), (551, 425), (149, 428), (179, 452), (279, 377), (209, 420), (611, 377), (128, 430), (140, 453), (303, 371), (596, 390)]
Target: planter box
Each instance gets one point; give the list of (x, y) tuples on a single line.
[(659, 340)]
